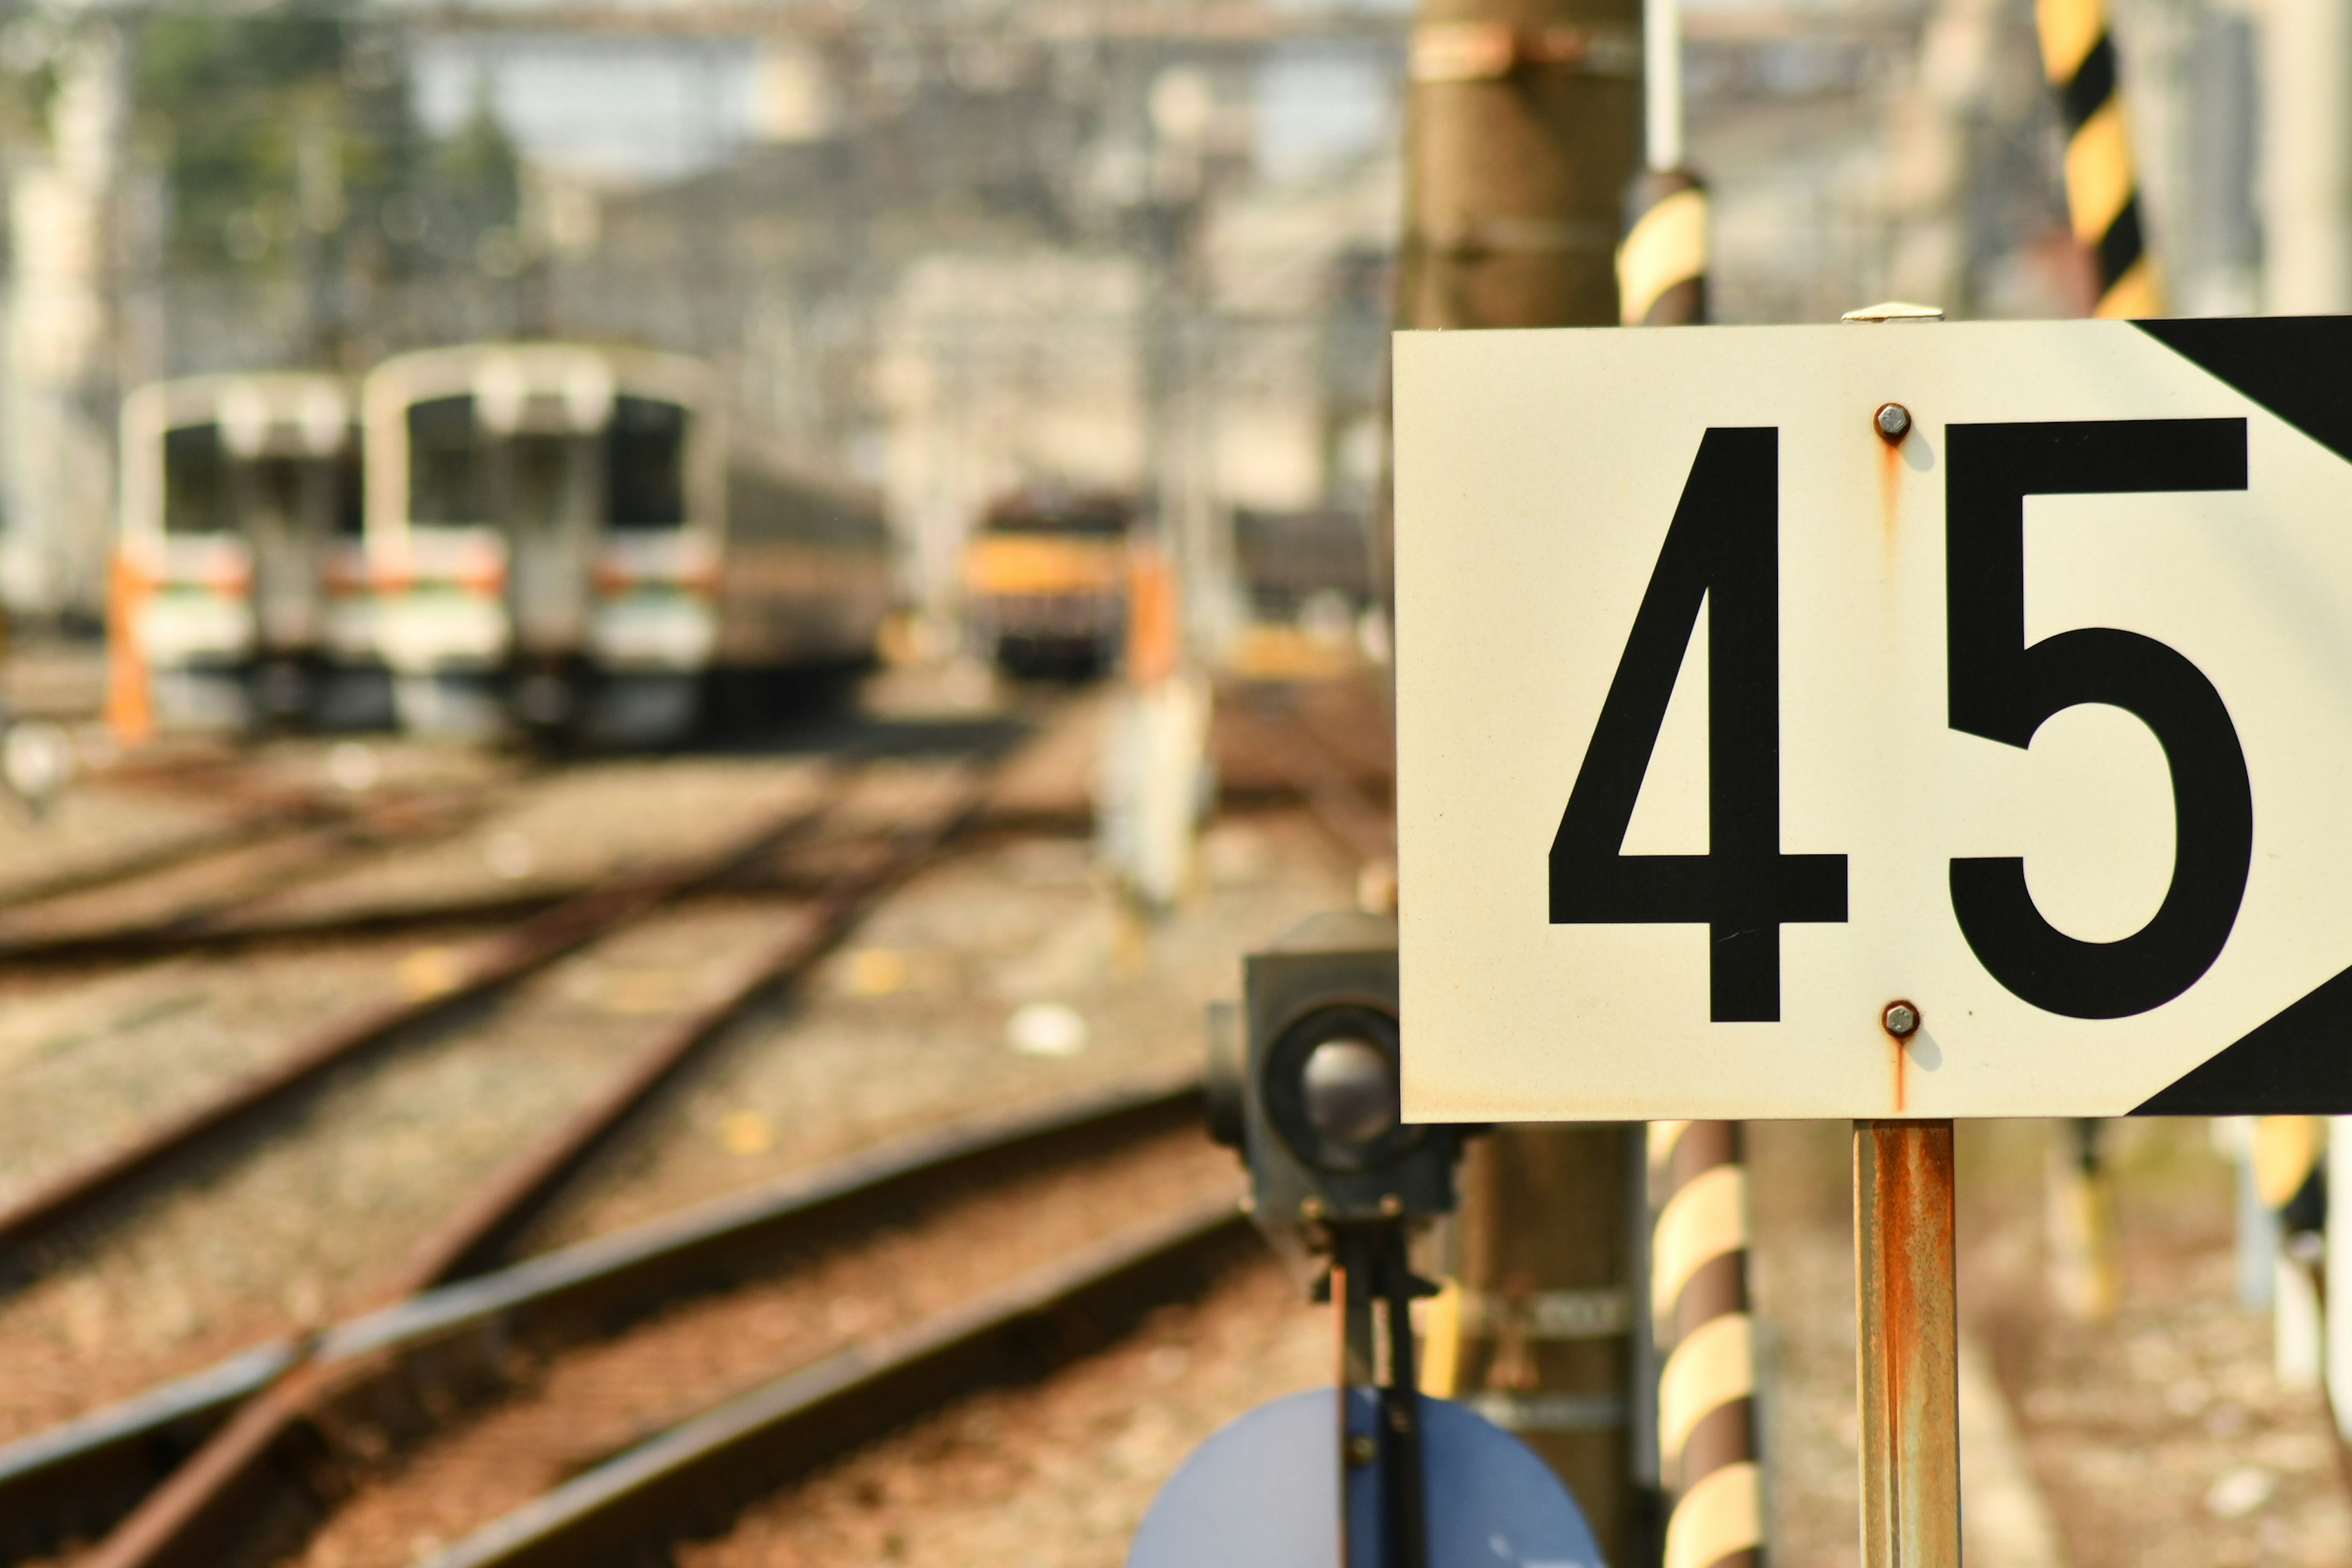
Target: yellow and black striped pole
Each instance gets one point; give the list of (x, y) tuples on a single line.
[(2288, 1154), (2086, 1272), (1661, 262), (1707, 1390), (2078, 55), (1662, 265)]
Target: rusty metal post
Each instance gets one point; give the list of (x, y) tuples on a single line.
[(1909, 1344)]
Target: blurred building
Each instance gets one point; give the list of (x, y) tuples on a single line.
[(951, 246)]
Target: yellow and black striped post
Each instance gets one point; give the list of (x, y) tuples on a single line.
[(2078, 55), (2086, 1272), (1662, 265), (2289, 1158), (1707, 1390)]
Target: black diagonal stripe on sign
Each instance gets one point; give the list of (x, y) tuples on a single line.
[(2298, 1064), (2120, 246), (2293, 366), (2093, 84)]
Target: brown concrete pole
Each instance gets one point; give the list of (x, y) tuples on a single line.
[(1544, 1244), (1909, 1344), (1523, 127)]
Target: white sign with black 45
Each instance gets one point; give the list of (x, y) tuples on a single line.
[(1891, 720)]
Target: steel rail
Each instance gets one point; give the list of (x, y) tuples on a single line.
[(308, 851), (222, 930), (196, 1515), (488, 965), (254, 826), (1323, 780), (681, 1483), (443, 1347)]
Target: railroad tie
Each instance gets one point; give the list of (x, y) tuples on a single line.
[(1662, 265), (2078, 55), (1698, 1298)]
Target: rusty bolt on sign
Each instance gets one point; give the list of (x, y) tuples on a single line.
[(1901, 1020), (1893, 422)]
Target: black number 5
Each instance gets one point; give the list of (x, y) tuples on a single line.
[(2002, 690)]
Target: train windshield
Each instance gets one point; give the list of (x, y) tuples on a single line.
[(195, 480), (448, 463), (1084, 518), (644, 462), (350, 491)]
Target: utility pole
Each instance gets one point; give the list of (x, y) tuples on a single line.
[(62, 351), (2306, 158), (1524, 129)]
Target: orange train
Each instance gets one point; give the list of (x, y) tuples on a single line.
[(1045, 581)]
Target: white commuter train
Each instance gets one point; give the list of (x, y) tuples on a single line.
[(566, 538), (239, 577)]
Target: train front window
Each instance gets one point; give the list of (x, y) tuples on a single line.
[(273, 494), (645, 457), (1082, 519), (195, 480), (350, 493), (448, 463)]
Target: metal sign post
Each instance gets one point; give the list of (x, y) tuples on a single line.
[(1909, 1344)]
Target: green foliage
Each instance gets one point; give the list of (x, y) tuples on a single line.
[(286, 138)]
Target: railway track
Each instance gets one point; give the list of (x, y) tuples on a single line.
[(855, 871), (436, 991), (284, 820), (318, 1423), (251, 1407), (261, 817), (1311, 746), (215, 892)]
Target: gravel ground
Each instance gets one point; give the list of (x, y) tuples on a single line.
[(931, 1012), (86, 1064), (1054, 1476), (2160, 1439), (569, 829), (1006, 976), (599, 1400), (305, 1220), (97, 824), (1801, 1273)]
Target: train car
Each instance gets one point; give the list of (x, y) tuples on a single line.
[(239, 577), (567, 539), (1045, 581)]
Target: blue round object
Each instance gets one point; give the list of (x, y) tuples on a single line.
[(1264, 1493)]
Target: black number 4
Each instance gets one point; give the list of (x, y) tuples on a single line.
[(1723, 550)]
